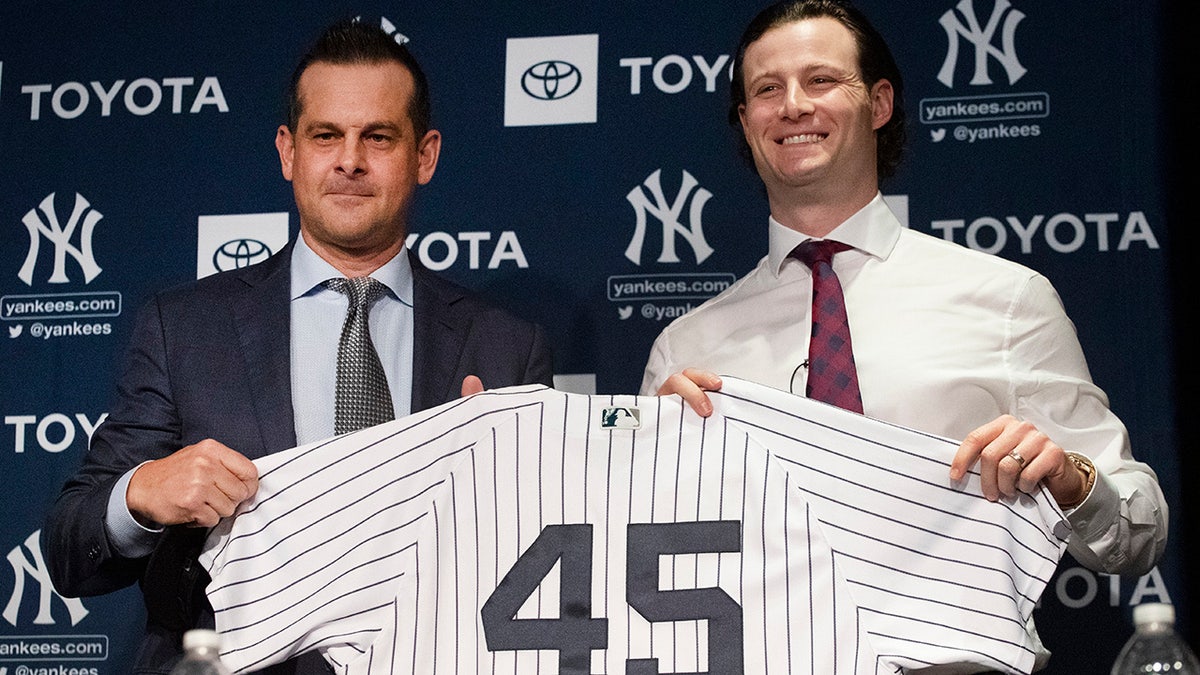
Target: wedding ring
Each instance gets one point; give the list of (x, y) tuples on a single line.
[(1017, 456)]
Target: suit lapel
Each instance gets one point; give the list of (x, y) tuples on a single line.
[(438, 339), (262, 320)]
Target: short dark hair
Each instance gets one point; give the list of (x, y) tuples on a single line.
[(874, 59), (350, 41)]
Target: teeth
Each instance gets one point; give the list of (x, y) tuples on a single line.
[(802, 138)]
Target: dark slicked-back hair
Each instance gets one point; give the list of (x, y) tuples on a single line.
[(349, 42), (874, 59)]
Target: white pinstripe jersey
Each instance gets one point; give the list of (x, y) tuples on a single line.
[(511, 532), (968, 572)]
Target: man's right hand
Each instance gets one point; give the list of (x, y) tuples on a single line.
[(196, 485), (691, 385)]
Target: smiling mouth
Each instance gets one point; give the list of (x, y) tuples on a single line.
[(802, 138)]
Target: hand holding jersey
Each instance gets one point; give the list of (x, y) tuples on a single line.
[(526, 528), (1041, 460)]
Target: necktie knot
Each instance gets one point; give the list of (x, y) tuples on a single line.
[(363, 291), (816, 251)]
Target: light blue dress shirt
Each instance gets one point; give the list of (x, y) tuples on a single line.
[(317, 317)]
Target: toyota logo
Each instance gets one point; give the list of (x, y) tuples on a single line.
[(239, 253), (551, 80)]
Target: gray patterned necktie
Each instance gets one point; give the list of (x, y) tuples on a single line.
[(362, 398)]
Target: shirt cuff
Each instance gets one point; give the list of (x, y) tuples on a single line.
[(1093, 517), (129, 537)]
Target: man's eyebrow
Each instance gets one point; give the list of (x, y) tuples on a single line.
[(382, 125), (313, 125), (369, 127)]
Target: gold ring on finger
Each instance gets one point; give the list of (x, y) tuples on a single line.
[(1017, 456)]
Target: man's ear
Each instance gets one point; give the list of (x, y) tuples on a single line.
[(429, 149), (286, 145), (882, 100)]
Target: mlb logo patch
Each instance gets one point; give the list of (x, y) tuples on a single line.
[(620, 418)]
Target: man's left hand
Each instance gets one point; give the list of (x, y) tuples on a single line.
[(1015, 456)]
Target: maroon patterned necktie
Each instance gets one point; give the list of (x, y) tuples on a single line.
[(831, 374)]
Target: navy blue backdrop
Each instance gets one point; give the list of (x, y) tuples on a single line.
[(600, 196)]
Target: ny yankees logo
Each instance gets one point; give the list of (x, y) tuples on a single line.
[(982, 37), (669, 214), (36, 569), (60, 236)]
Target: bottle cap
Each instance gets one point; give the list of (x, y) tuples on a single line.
[(1153, 612), (201, 637)]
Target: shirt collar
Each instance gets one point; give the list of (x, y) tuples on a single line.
[(874, 230), (310, 270)]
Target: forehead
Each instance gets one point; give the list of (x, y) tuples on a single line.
[(349, 93), (820, 41)]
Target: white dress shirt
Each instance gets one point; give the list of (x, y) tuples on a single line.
[(945, 339)]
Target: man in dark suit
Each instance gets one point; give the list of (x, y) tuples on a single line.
[(242, 364)]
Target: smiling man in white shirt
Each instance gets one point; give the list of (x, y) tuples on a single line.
[(945, 339)]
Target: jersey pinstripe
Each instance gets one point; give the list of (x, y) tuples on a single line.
[(969, 570), (686, 491), (434, 529), (507, 532)]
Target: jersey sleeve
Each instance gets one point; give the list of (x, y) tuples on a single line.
[(314, 560), (941, 574)]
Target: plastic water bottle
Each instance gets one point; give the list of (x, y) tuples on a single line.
[(1155, 647), (201, 654)]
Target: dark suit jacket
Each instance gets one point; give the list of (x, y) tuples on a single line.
[(211, 360)]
